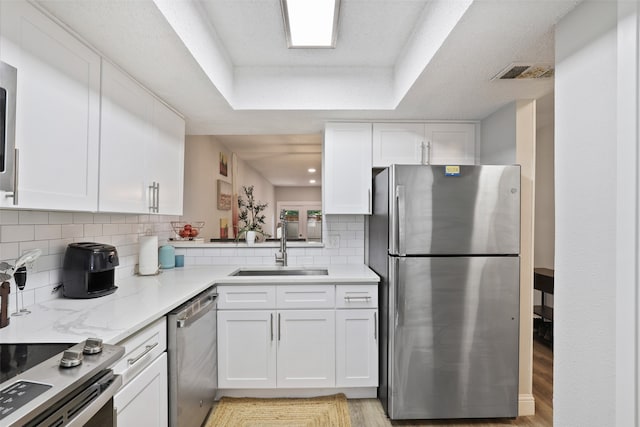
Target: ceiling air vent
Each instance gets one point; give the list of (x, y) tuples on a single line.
[(518, 71)]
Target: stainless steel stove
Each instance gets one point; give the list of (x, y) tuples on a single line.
[(67, 389)]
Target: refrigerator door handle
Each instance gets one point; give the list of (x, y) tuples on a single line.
[(402, 216)]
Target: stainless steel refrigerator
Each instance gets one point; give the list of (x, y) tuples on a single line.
[(445, 241)]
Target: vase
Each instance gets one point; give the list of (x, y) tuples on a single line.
[(251, 238)]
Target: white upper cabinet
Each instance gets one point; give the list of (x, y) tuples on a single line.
[(57, 111), (346, 182), (451, 143), (167, 159), (141, 150), (423, 143), (398, 143), (126, 135)]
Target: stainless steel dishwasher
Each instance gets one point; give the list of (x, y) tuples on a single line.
[(192, 353)]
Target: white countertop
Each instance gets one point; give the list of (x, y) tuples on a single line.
[(142, 299)]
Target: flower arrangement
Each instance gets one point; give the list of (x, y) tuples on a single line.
[(250, 213)]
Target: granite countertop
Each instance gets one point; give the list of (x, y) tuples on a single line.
[(142, 299)]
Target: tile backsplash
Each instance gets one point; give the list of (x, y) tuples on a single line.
[(22, 230)]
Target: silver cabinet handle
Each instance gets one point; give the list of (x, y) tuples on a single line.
[(157, 197), (154, 190), (147, 349), (375, 326), (362, 298), (370, 207), (271, 325), (422, 144), (279, 333), (428, 146)]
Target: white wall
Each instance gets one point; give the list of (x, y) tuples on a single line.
[(499, 137), (585, 252), (545, 193), (298, 194)]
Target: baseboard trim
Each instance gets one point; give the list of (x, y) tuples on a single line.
[(526, 405), (351, 393)]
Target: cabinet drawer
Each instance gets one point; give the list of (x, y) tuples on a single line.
[(305, 296), (141, 349), (356, 296), (246, 297)]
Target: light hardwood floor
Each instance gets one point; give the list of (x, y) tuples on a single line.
[(369, 413)]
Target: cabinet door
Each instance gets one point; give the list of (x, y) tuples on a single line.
[(57, 111), (126, 133), (451, 143), (144, 400), (356, 348), (398, 143), (306, 348), (346, 173), (167, 155), (246, 349)]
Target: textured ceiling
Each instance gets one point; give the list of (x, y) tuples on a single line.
[(224, 64)]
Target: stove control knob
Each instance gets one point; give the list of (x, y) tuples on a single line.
[(71, 358), (92, 346)]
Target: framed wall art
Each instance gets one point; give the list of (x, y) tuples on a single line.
[(224, 195)]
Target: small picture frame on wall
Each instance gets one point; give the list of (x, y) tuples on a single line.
[(224, 195), (224, 164), (224, 228)]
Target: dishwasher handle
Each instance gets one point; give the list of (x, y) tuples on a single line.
[(196, 309)]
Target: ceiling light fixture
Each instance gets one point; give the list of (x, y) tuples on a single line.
[(310, 23), (311, 170), (312, 181)]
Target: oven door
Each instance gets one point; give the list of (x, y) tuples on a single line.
[(91, 404)]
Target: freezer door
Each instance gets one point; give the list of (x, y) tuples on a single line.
[(436, 211), (453, 337)]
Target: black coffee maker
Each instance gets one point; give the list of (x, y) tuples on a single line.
[(89, 270)]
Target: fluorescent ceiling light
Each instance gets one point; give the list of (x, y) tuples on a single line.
[(310, 23), (312, 181), (311, 170)]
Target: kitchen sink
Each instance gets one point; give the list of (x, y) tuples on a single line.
[(280, 272)]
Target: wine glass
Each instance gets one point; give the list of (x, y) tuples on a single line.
[(20, 277)]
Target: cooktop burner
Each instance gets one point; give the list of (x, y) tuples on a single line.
[(17, 358)]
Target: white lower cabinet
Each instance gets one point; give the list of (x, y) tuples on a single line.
[(306, 348), (246, 349), (357, 348), (143, 398), (143, 401), (297, 336)]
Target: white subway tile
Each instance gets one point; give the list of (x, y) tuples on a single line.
[(347, 251), (9, 217), (355, 226), (109, 229), (46, 293), (71, 231), (125, 229), (321, 260), (82, 218), (9, 251), (16, 233), (60, 218), (118, 218), (195, 252), (204, 260), (93, 230), (101, 218), (48, 232), (338, 260), (131, 219), (33, 217)]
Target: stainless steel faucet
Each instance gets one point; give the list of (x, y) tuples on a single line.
[(281, 257)]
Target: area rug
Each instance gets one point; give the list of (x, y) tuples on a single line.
[(308, 412)]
